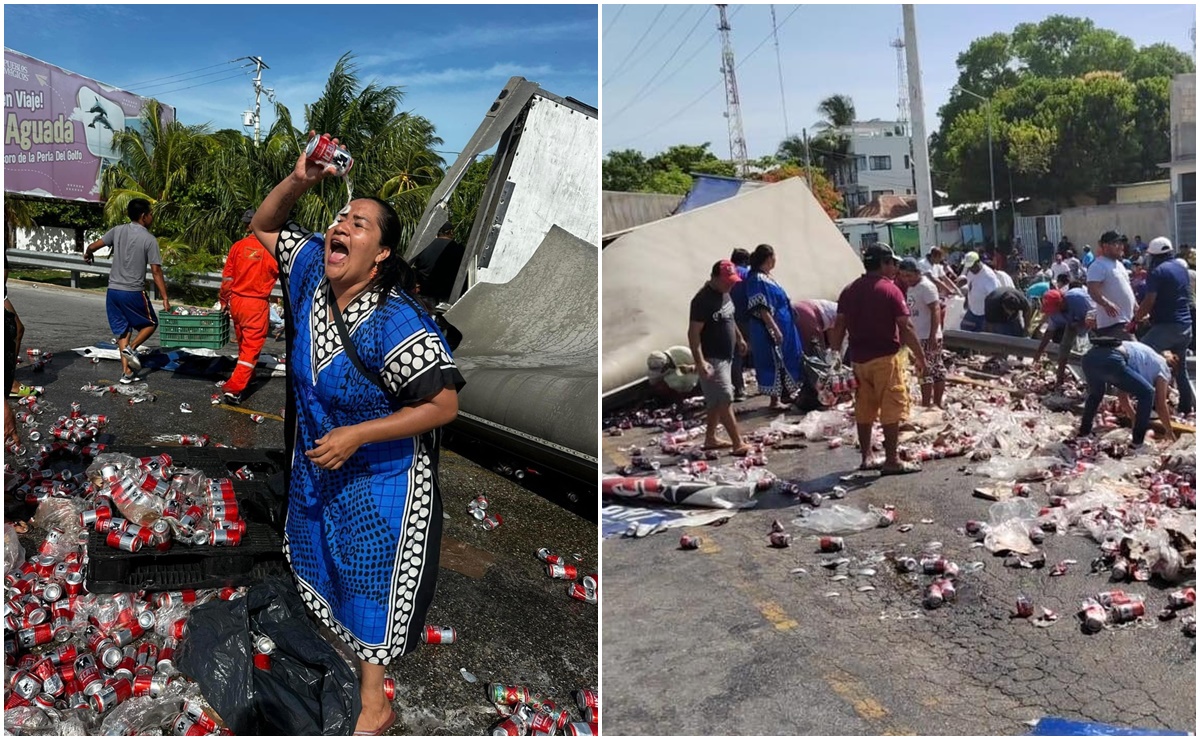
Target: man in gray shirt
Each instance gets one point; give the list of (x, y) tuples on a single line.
[(130, 315)]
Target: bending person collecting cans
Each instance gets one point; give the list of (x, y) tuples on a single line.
[(374, 381)]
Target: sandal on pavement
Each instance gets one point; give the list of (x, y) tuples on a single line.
[(903, 469), (718, 445), (387, 725), (872, 465)]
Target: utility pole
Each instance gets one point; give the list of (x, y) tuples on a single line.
[(258, 90), (807, 159), (920, 144), (733, 106)]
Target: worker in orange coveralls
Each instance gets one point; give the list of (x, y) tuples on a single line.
[(246, 283)]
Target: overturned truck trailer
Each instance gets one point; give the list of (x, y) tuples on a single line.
[(524, 296)]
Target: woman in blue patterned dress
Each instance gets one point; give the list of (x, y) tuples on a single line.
[(771, 324), (364, 512)]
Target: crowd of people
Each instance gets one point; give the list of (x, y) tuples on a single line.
[(1134, 302)]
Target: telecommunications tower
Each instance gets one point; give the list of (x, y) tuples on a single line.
[(733, 107), (901, 85)]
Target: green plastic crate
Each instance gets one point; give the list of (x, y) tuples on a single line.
[(204, 332)]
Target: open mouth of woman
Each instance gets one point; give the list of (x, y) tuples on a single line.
[(338, 253)]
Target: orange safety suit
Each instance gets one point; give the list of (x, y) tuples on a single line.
[(246, 283)]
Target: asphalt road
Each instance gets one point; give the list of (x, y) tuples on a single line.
[(515, 625), (727, 639)]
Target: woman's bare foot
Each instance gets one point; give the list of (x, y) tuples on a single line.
[(376, 713)]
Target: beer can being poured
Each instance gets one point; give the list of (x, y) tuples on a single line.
[(322, 150)]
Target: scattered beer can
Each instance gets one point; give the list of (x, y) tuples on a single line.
[(564, 572), (779, 539), (689, 542), (831, 544), (438, 635)]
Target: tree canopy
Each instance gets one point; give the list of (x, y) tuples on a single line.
[(1074, 108), (199, 182)]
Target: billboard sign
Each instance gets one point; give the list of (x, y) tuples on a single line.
[(59, 129)]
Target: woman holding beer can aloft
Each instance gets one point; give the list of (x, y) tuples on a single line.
[(373, 381)]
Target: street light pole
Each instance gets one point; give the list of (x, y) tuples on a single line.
[(991, 163)]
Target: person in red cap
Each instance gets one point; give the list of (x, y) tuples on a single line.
[(246, 283), (715, 340), (1066, 310)]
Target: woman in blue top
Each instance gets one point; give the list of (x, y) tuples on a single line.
[(364, 511), (771, 325)]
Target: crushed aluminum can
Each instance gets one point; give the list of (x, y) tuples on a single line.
[(907, 565), (582, 593), (1122, 613), (491, 522), (779, 539), (1024, 606), (257, 418), (563, 572), (1182, 599), (831, 544), (550, 558), (689, 542), (933, 596), (1094, 617), (185, 408)]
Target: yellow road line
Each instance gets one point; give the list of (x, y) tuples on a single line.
[(241, 410), (774, 614), (865, 705)]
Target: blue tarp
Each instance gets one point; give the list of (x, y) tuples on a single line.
[(1059, 726), (708, 189)]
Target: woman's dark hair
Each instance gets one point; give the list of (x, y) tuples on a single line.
[(762, 253), (394, 271), (137, 208)]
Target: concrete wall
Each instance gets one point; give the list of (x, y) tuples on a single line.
[(1183, 117), (1085, 225), (1157, 191)]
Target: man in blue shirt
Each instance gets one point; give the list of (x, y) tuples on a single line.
[(1136, 370), (1168, 306), (1088, 257)]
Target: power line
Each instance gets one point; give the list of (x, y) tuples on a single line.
[(717, 84), (201, 84), (616, 72), (616, 15), (638, 95), (181, 74), (189, 79)]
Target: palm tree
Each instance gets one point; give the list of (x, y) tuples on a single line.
[(838, 111), (18, 214), (831, 147)]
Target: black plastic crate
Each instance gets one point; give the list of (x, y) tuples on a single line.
[(260, 554)]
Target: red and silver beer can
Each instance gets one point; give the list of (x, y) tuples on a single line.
[(322, 150), (176, 598), (550, 558), (831, 544), (226, 537), (42, 669), (1024, 606), (73, 584), (147, 655), (262, 661), (689, 542), (498, 693), (26, 685), (184, 726), (123, 541), (166, 657), (87, 675), (580, 728), (221, 489), (491, 522), (34, 636), (438, 635), (585, 698), (224, 511), (142, 677), (1094, 617), (195, 712), (178, 629), (1182, 599), (508, 726), (113, 693), (238, 526), (63, 655), (1128, 612), (389, 688), (582, 593), (780, 539), (564, 572)]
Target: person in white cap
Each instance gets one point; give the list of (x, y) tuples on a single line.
[(1168, 306), (981, 281)]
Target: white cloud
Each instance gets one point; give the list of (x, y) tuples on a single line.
[(475, 37)]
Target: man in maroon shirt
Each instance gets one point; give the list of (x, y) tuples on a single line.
[(873, 310)]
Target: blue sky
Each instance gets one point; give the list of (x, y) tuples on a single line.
[(825, 49), (451, 60)]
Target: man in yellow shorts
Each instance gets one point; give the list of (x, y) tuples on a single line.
[(874, 312)]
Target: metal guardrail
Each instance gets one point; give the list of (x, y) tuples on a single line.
[(75, 265)]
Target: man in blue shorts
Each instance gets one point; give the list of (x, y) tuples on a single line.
[(130, 315)]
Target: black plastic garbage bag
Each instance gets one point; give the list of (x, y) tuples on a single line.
[(308, 690)]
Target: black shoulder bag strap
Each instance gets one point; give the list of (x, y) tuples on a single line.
[(348, 345)]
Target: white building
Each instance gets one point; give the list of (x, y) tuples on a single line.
[(880, 162), (1183, 158)]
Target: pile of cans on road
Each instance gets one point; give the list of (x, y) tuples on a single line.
[(1112, 608), (586, 588), (526, 713), (160, 506), (73, 657), (478, 508)]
